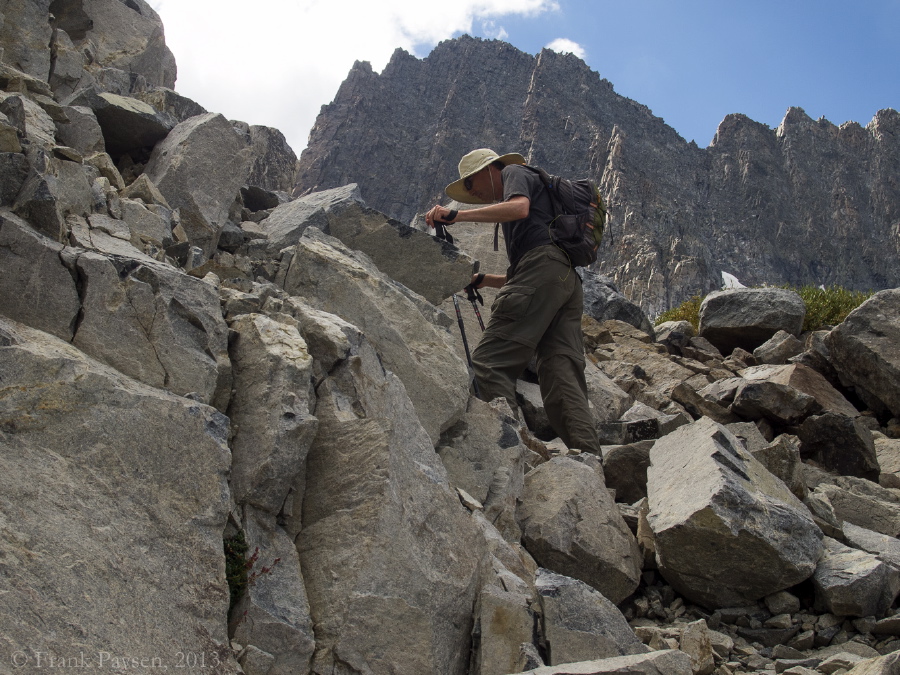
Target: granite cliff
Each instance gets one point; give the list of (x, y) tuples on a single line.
[(806, 203)]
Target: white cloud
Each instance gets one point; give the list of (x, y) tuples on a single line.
[(276, 62), (566, 46)]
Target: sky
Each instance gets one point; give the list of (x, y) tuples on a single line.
[(692, 62)]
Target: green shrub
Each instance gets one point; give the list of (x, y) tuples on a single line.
[(236, 567), (689, 310), (824, 307), (828, 307)]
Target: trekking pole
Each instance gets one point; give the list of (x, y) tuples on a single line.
[(474, 295), (462, 330)]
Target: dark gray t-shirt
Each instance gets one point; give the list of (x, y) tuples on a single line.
[(523, 235)]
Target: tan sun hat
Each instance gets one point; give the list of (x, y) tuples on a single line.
[(471, 164)]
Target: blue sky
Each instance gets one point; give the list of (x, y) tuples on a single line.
[(692, 62)]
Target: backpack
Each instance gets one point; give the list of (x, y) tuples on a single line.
[(579, 217)]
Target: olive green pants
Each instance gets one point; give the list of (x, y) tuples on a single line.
[(539, 311)]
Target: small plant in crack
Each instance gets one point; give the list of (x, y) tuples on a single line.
[(242, 572)]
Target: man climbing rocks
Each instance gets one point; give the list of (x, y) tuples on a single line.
[(539, 307)]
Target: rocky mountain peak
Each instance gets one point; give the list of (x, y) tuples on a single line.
[(808, 203)]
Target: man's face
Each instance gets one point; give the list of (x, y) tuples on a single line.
[(486, 185)]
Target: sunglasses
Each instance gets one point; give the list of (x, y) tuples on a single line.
[(467, 184)]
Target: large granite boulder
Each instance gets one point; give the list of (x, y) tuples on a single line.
[(199, 168), (579, 623), (661, 662), (850, 582), (154, 323), (484, 456), (333, 278), (840, 443), (272, 410), (571, 526), (727, 531), (389, 555), (128, 124), (35, 288), (114, 500), (603, 301), (287, 222), (865, 351), (748, 317)]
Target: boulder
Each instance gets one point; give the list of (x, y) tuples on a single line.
[(46, 199), (128, 124), (428, 266), (883, 665), (484, 455), (625, 469), (81, 131), (850, 582), (153, 323), (603, 301), (885, 548), (674, 335), (887, 453), (171, 103), (381, 531), (25, 37), (839, 443), (336, 280), (571, 526), (506, 612), (114, 501), (608, 401), (738, 534), (864, 503), (35, 288), (129, 37), (748, 317), (865, 351), (696, 642), (199, 168), (272, 410), (144, 225), (287, 222), (273, 614), (778, 403), (579, 624), (273, 161), (662, 662), (805, 379), (778, 348), (13, 173)]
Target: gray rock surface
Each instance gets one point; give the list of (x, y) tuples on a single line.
[(571, 525), (662, 662), (334, 279), (199, 168), (484, 455), (703, 535), (579, 623), (119, 527), (35, 288), (287, 222), (865, 350), (153, 323), (850, 582), (381, 530), (603, 301), (748, 317), (272, 408), (843, 444)]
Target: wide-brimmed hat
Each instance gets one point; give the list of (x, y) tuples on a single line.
[(471, 164)]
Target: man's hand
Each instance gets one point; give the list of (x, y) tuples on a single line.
[(441, 214)]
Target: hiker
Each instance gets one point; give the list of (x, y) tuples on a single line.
[(539, 307)]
